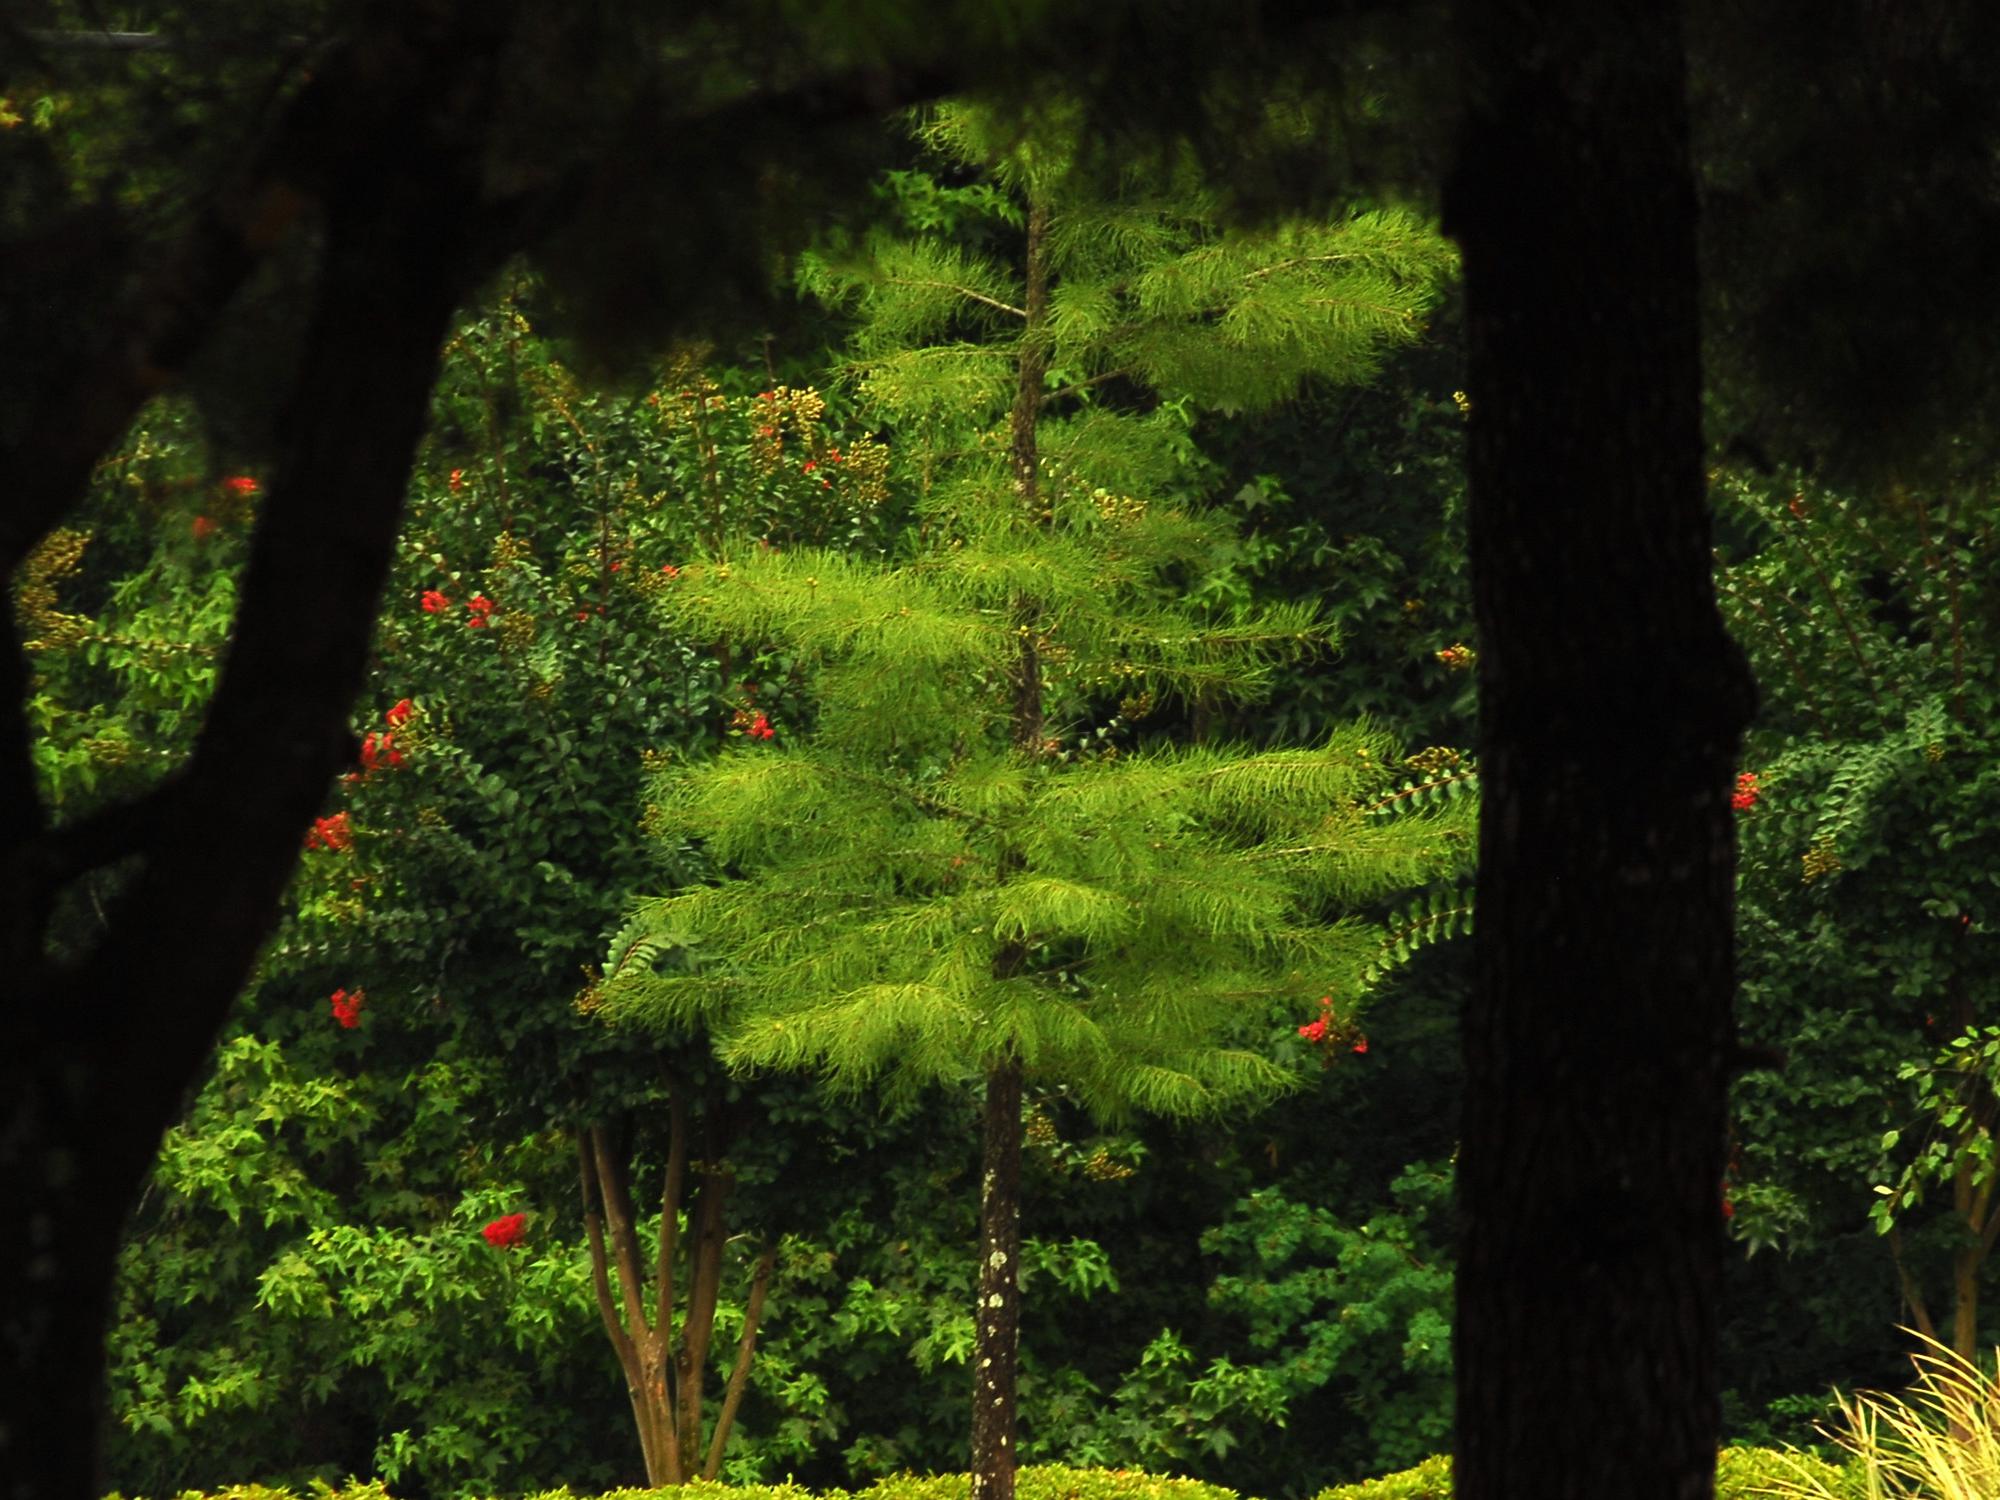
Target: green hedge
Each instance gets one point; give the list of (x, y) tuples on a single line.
[(1429, 1480), (1741, 1474)]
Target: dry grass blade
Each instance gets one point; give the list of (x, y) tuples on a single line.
[(1939, 1440)]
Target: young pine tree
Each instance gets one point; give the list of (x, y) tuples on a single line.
[(959, 877)]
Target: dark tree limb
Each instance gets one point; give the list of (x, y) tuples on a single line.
[(110, 1044), (358, 105)]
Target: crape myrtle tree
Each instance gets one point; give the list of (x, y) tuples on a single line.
[(420, 990), (465, 869), (968, 873), (362, 1248)]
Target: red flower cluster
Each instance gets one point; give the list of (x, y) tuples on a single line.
[(670, 570), (330, 833), (752, 723), (347, 1007), (204, 528), (434, 602), (401, 714), (242, 484), (505, 1234), (457, 478), (1747, 792), (378, 749), (478, 607), (1325, 1029)]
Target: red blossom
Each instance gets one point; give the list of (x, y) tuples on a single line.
[(1360, 1048), (479, 607), (204, 528), (1747, 792), (760, 728), (400, 714), (347, 1007), (505, 1234), (378, 749), (807, 467), (1314, 1031), (242, 484), (457, 478), (434, 602), (330, 833), (670, 570)]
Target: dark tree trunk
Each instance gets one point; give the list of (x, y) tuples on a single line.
[(996, 1345), (106, 1048), (1612, 701)]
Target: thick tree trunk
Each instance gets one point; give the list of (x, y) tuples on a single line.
[(996, 1343), (1598, 1037), (107, 1049), (106, 1044)]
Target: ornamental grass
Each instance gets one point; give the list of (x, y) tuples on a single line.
[(1939, 1440)]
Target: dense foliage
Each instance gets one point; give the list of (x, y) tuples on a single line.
[(365, 1249), (308, 1290)]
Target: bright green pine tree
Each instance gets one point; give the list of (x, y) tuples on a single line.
[(957, 878)]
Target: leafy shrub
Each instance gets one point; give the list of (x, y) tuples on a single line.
[(1939, 1442), (1741, 1473), (1429, 1480)]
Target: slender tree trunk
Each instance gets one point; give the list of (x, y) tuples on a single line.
[(996, 1349), (997, 1332), (746, 1348), (1599, 1033)]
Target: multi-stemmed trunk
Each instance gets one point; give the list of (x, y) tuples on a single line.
[(1599, 1036), (665, 1366)]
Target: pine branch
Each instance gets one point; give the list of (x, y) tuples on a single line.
[(963, 291)]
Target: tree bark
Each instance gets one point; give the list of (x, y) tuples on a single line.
[(664, 1363), (107, 1047), (996, 1342), (1612, 702)]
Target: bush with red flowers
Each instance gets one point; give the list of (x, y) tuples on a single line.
[(506, 1233), (347, 1006)]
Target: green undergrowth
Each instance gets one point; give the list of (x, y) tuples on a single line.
[(1741, 1474)]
